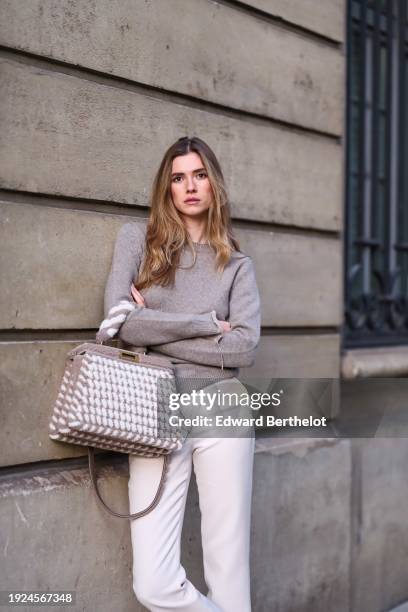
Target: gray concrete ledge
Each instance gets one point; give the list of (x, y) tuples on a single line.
[(401, 608), (298, 447), (371, 362)]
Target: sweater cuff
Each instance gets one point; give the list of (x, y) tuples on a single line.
[(214, 318), (207, 324)]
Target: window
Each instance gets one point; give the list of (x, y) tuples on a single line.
[(376, 223)]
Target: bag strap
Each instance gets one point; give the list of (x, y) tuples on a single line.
[(153, 504)]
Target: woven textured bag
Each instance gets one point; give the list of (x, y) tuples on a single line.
[(115, 399)]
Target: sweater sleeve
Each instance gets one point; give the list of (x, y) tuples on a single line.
[(146, 326), (238, 345)]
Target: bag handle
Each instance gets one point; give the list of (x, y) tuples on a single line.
[(153, 504)]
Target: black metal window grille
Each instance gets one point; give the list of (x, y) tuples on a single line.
[(376, 224)]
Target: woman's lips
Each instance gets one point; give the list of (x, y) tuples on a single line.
[(194, 201)]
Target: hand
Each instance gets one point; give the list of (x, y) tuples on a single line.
[(226, 327), (137, 296)]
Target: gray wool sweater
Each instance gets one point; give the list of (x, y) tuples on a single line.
[(180, 321)]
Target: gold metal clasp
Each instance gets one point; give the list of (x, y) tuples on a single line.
[(129, 356)]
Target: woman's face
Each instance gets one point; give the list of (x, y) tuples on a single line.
[(189, 181)]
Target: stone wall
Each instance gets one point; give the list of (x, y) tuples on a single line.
[(93, 92)]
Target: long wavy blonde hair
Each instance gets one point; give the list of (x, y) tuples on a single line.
[(166, 234)]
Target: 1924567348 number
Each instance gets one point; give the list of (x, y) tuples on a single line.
[(39, 598)]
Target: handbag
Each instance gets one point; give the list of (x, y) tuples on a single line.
[(118, 400)]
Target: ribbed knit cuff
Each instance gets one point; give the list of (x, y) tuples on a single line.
[(207, 324), (218, 324)]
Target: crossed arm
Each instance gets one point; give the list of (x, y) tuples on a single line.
[(187, 336), (238, 345)]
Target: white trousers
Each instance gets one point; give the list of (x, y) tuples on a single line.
[(223, 469)]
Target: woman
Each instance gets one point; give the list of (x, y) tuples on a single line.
[(197, 303)]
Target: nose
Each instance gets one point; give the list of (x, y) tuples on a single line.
[(191, 184)]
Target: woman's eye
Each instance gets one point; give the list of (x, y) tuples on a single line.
[(201, 175)]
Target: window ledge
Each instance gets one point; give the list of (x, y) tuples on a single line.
[(370, 362)]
